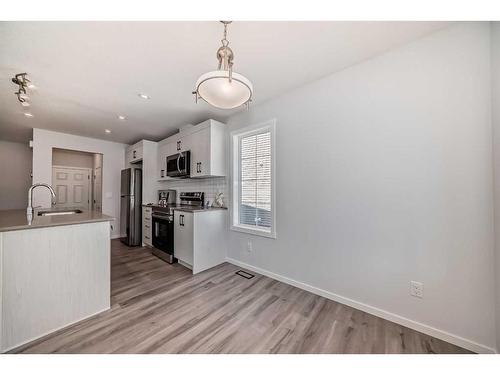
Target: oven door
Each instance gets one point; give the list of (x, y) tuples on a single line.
[(179, 165), (163, 233)]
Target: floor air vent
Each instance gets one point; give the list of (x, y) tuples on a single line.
[(245, 274)]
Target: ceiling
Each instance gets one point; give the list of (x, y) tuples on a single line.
[(88, 73)]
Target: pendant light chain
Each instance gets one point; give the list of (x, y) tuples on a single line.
[(224, 40)]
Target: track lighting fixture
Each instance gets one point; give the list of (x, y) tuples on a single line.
[(22, 81)]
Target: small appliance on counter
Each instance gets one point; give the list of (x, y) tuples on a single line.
[(167, 197), (163, 220)]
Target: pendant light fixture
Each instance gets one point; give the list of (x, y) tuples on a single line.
[(224, 88)]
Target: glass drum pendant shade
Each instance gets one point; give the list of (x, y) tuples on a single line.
[(217, 89)]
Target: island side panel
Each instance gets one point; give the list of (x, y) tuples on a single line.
[(53, 277)]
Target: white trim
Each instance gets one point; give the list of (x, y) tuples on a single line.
[(417, 326), (254, 231), (235, 136), (69, 167)]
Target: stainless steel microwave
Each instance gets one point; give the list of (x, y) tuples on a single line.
[(179, 165)]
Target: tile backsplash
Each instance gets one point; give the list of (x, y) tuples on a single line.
[(210, 186)]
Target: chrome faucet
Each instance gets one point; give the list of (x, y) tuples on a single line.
[(29, 210)]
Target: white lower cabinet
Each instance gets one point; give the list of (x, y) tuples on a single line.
[(183, 236), (198, 238), (146, 227)]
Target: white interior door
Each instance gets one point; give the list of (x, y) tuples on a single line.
[(72, 187)]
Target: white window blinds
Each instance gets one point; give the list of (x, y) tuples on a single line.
[(255, 180)]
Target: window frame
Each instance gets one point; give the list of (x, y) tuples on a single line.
[(235, 141)]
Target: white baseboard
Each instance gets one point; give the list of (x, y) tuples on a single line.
[(52, 331), (420, 327), (115, 236)]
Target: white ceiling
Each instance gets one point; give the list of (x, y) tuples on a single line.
[(88, 73)]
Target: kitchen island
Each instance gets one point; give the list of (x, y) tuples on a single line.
[(54, 271)]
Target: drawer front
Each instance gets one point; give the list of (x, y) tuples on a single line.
[(147, 237), (147, 224), (146, 229)]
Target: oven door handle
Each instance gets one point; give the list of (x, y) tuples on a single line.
[(162, 217)]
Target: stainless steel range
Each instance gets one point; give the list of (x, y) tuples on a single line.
[(163, 223)]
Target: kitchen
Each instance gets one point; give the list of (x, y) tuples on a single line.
[(334, 201), (178, 225)]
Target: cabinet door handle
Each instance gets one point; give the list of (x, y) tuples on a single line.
[(200, 166), (162, 173), (134, 153)]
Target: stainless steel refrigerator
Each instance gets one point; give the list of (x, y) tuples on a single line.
[(131, 206)]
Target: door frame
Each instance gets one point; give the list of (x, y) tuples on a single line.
[(90, 180), (93, 182)]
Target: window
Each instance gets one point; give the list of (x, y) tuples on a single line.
[(253, 209)]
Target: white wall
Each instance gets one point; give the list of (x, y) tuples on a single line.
[(495, 100), (15, 179), (384, 175), (69, 158), (113, 162)]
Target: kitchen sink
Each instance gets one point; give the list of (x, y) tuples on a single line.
[(59, 212)]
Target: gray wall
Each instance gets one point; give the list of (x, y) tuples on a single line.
[(70, 158), (15, 170), (398, 149), (495, 100)]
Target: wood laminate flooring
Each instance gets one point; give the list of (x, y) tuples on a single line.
[(163, 308)]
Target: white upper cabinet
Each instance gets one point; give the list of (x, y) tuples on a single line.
[(208, 156), (183, 143), (206, 143), (133, 153), (164, 150)]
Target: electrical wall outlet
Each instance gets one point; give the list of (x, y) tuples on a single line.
[(249, 247), (417, 289)]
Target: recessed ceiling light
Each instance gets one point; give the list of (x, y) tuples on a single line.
[(107, 131), (144, 96), (121, 117), (28, 114)]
